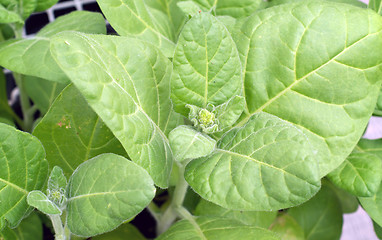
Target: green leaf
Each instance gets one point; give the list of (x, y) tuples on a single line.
[(287, 228), (32, 56), (373, 146), (215, 229), (228, 113), (7, 16), (104, 192), (189, 7), (125, 231), (313, 74), (23, 168), (376, 6), (352, 2), (237, 8), (349, 202), (40, 201), (360, 174), (29, 229), (377, 230), (170, 8), (378, 107), (253, 218), (187, 143), (72, 132), (373, 205), (206, 65), (132, 18), (57, 179), (126, 82), (268, 164), (24, 8), (42, 92), (43, 5), (320, 217)]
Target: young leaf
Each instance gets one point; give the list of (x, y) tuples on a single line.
[(287, 228), (104, 192), (215, 229), (32, 56), (40, 201), (126, 82), (7, 16), (253, 218), (125, 231), (57, 179), (206, 65), (320, 217), (293, 62), (228, 113), (187, 143), (268, 164), (23, 8), (141, 23), (29, 229), (42, 92), (23, 168), (72, 133), (360, 174)]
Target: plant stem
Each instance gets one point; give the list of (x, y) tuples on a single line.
[(25, 104), (171, 213), (58, 227)]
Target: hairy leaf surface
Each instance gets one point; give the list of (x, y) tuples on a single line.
[(23, 168), (126, 82), (206, 65), (104, 192), (40, 201), (268, 164), (204, 228), (32, 56), (72, 132), (313, 72)]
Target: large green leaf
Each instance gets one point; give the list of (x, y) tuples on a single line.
[(349, 202), (72, 132), (42, 92), (267, 164), (23, 168), (29, 229), (104, 192), (126, 82), (205, 228), (32, 56), (206, 65), (253, 218), (360, 174), (320, 217), (134, 19), (357, 3), (312, 72)]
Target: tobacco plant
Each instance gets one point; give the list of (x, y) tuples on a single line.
[(223, 119)]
